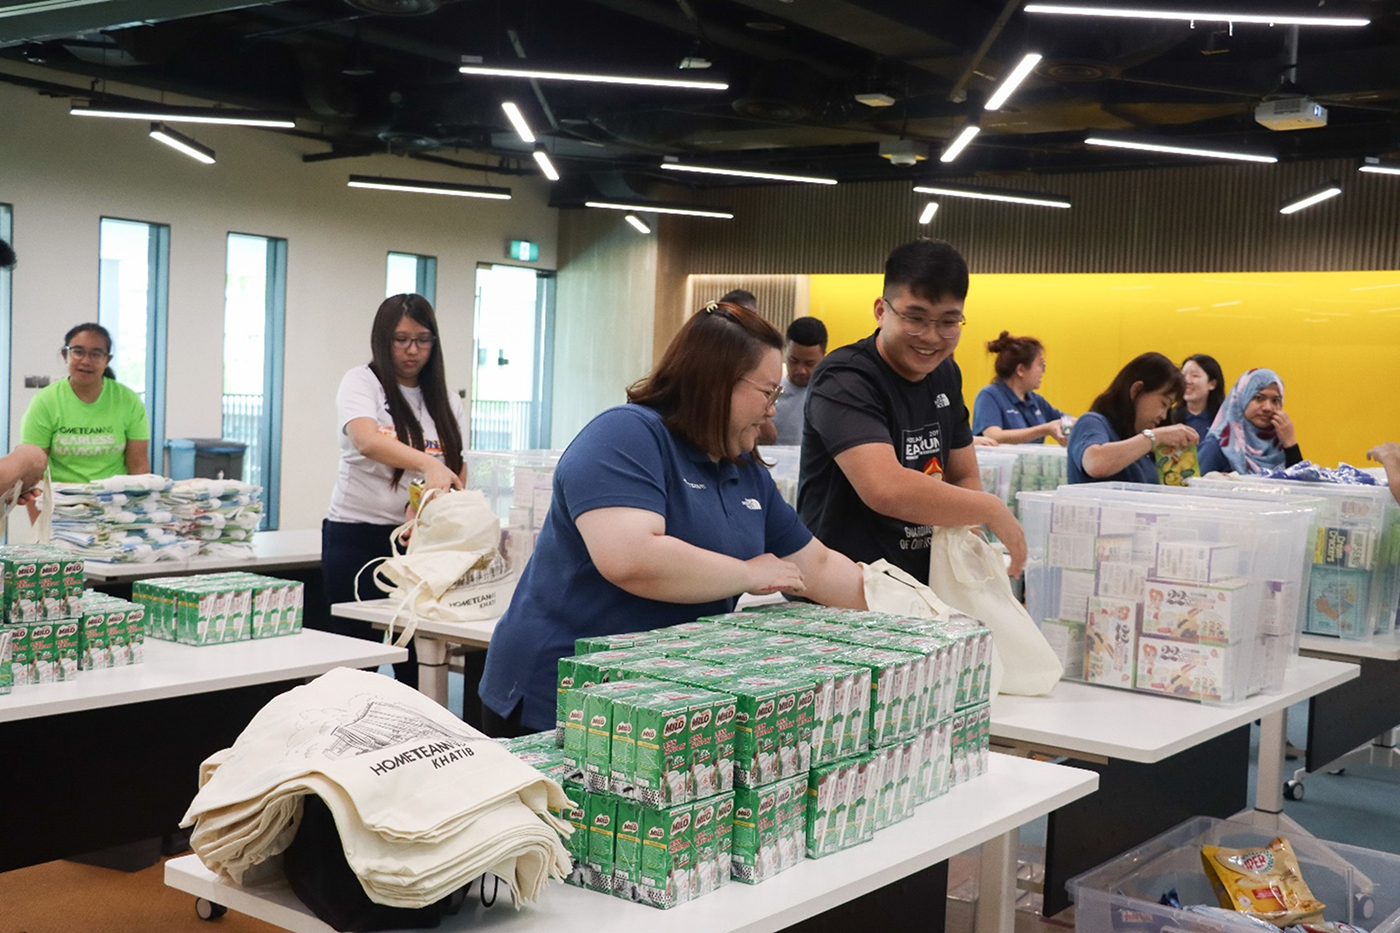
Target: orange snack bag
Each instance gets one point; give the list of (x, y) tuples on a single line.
[(1264, 882)]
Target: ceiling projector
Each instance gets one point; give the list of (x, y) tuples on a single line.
[(1291, 113)]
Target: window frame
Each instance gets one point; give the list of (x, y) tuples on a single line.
[(425, 274)]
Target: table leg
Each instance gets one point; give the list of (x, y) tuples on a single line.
[(1268, 785), (996, 884), (432, 668)]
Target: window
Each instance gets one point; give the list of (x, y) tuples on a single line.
[(7, 233), (514, 341), (255, 293), (132, 290), (412, 274)]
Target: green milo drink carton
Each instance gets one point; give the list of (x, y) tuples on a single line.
[(7, 674), (667, 855), (21, 654), (135, 633), (598, 720), (68, 648), (96, 650), (600, 811), (707, 767), (74, 586), (627, 851), (576, 815), (857, 800), (704, 873), (43, 651), (661, 770), (23, 596), (754, 822), (724, 837), (789, 829)]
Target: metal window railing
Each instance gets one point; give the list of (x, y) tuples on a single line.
[(501, 425), (243, 421)]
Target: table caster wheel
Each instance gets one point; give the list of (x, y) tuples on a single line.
[(208, 910), (1339, 772), (1293, 790), (1365, 906)]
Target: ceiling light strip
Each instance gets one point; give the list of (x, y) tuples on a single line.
[(744, 173), (659, 209), (1013, 81), (1313, 197), (429, 187), (546, 166), (517, 120), (212, 115), (682, 83), (980, 194), (1378, 167), (1179, 150), (1189, 16), (958, 145), (636, 222), (930, 209), (182, 143)]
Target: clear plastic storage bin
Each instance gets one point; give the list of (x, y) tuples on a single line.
[(1359, 886), (1015, 468), (787, 462), (1165, 592), (1354, 561)]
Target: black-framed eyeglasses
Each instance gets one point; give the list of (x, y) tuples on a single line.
[(86, 353), (422, 341), (914, 324), (772, 395)]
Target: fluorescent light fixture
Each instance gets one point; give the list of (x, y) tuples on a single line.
[(546, 166), (216, 115), (1189, 16), (636, 221), (429, 187), (182, 143), (537, 74), (1379, 167), (1012, 81), (659, 209), (517, 120), (875, 99), (738, 173), (1316, 196), (989, 194), (1179, 150), (45, 6), (956, 147), (930, 209)]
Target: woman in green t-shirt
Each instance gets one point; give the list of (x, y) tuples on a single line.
[(90, 425)]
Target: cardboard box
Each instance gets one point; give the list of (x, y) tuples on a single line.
[(1196, 562), (1191, 671), (1337, 602), (1214, 614), (1348, 547)]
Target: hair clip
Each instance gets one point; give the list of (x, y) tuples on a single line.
[(712, 307)]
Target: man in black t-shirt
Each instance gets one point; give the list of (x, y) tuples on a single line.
[(887, 450)]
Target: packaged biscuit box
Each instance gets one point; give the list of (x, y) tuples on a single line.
[(1216, 613), (1110, 642), (1216, 673)]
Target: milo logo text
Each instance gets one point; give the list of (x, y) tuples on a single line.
[(657, 833), (26, 570), (806, 699), (743, 813), (566, 682), (602, 821), (648, 734), (673, 726), (765, 805), (623, 728), (68, 628), (597, 722), (680, 824), (630, 827), (704, 817), (49, 570), (765, 709), (786, 704), (575, 715), (726, 716), (784, 795), (42, 631), (723, 811), (701, 719)]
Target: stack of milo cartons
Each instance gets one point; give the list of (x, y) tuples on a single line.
[(40, 639), (211, 609), (827, 724)]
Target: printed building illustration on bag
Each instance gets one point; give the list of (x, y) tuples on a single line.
[(384, 724)]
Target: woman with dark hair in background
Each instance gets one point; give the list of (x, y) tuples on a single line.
[(396, 422), (91, 426), (1008, 410), (661, 513), (1114, 439), (1203, 395)]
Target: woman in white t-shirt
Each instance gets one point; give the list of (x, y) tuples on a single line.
[(396, 422)]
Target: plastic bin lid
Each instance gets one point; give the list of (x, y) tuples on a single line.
[(214, 444)]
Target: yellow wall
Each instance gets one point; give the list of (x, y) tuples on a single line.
[(1334, 337)]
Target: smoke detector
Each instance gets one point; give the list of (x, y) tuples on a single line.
[(904, 152)]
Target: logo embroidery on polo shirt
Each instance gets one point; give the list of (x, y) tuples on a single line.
[(751, 504), (941, 401), (692, 485)]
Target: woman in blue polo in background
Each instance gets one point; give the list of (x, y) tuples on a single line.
[(1113, 440), (1008, 410), (1203, 395), (662, 512)]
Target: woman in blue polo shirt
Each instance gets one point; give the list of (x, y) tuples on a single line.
[(661, 513), (1008, 410), (1114, 439)]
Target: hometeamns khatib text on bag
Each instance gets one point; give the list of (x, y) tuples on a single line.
[(452, 562)]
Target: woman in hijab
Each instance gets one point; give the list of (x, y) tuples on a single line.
[(1251, 432)]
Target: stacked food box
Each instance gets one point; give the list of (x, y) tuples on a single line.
[(1353, 573), (52, 627), (211, 609), (770, 735), (1158, 590)]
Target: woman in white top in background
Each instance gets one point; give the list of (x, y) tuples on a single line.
[(397, 422)]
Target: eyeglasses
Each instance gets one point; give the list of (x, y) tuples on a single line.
[(914, 325), (83, 353), (422, 341), (772, 395)]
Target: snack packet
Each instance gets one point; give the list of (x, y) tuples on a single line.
[(1265, 882), (1175, 465)]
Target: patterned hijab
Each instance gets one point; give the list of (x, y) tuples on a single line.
[(1249, 449)]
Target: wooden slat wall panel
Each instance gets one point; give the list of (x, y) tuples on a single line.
[(776, 294), (1208, 218)]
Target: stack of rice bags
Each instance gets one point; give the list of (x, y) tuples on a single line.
[(122, 518), (220, 514), (423, 802)]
